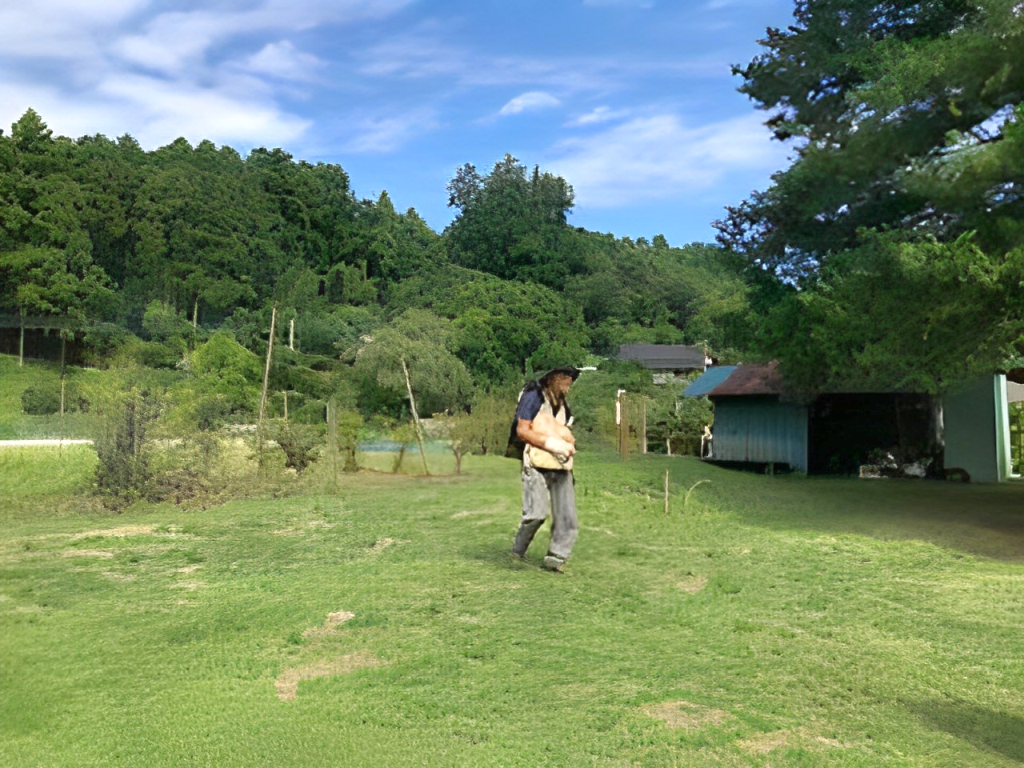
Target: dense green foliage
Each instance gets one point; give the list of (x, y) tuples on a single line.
[(175, 247), (907, 125)]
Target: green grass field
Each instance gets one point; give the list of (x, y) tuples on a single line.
[(777, 621), (15, 425)]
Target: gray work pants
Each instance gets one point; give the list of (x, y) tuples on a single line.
[(545, 492)]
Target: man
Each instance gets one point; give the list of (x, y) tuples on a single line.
[(542, 424)]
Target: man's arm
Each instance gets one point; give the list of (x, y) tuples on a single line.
[(561, 449)]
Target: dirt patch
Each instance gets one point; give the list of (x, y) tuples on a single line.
[(684, 714), (103, 554), (763, 743), (188, 585), (287, 684), (122, 532), (382, 544), (334, 620), (300, 528), (692, 584)]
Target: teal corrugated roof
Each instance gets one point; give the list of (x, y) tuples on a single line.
[(711, 378)]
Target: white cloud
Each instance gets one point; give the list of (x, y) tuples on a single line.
[(283, 60), (213, 73), (530, 102), (61, 29), (599, 115), (660, 157), (234, 114)]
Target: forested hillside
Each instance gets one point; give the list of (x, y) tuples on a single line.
[(169, 246)]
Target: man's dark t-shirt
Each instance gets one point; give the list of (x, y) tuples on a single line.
[(529, 404)]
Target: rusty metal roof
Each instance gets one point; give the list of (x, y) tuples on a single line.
[(738, 380), (751, 380)]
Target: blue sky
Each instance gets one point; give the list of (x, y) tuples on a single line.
[(631, 101)]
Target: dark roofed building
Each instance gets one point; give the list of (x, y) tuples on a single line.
[(665, 358)]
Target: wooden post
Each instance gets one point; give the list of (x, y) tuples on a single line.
[(332, 440), (622, 420), (666, 491), (415, 417), (266, 381), (643, 425), (63, 345)]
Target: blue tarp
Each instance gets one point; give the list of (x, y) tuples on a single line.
[(709, 380)]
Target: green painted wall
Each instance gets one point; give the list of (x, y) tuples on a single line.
[(977, 430), (759, 429)]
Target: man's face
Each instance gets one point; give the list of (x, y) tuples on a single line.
[(562, 384)]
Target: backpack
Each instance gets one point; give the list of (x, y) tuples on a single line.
[(516, 445)]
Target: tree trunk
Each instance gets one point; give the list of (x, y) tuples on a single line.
[(396, 464), (415, 417), (21, 342)]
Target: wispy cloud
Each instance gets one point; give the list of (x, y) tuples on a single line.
[(660, 156), (238, 113), (282, 60), (531, 101), (375, 135), (169, 41), (215, 73), (598, 115), (62, 29)]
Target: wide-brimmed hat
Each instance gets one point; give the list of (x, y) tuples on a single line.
[(570, 371)]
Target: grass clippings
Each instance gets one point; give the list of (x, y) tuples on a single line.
[(287, 683), (330, 625), (800, 738), (686, 715), (692, 584)]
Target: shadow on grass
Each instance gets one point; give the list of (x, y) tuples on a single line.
[(987, 730), (981, 520)]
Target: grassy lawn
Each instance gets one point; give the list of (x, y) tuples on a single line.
[(776, 621), (15, 425)]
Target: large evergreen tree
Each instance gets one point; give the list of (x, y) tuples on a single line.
[(905, 117), (512, 224)]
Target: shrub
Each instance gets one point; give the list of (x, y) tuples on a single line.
[(126, 415), (41, 401), (298, 441)]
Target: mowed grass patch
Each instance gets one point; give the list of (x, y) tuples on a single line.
[(777, 621), (15, 379), (43, 483)]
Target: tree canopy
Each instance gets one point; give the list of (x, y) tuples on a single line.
[(905, 118), (180, 243)]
